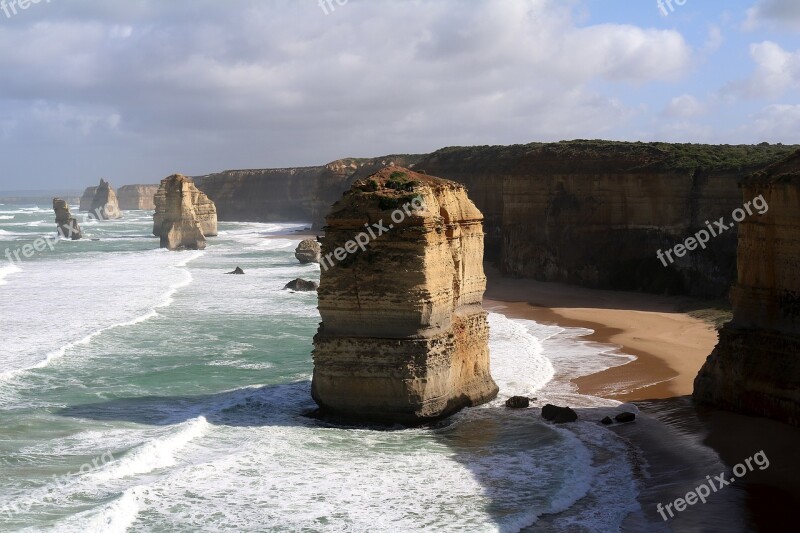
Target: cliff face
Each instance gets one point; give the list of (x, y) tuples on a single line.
[(184, 216), (595, 213), (403, 334), (87, 198), (755, 368), (104, 204), (137, 197), (66, 225), (288, 194)]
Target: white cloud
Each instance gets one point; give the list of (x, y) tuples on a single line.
[(684, 106), (778, 123), (776, 72)]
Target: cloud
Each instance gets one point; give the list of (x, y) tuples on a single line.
[(776, 72), (778, 123), (782, 13), (684, 106), (205, 85)]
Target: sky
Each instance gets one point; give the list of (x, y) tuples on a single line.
[(136, 90)]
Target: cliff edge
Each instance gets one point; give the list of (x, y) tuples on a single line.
[(403, 336), (755, 368)]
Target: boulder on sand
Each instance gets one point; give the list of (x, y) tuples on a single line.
[(559, 415)]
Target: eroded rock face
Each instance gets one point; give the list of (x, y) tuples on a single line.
[(137, 197), (184, 216), (87, 198), (66, 224), (403, 336), (308, 251), (755, 368), (302, 285), (105, 205)]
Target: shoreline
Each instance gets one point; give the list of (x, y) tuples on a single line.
[(679, 442)]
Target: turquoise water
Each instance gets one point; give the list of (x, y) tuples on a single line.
[(144, 390)]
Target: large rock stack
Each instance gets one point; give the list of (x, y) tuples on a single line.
[(184, 216), (66, 224), (403, 336), (755, 368), (105, 205), (87, 198)]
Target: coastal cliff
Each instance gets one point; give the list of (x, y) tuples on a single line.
[(403, 336), (137, 197), (183, 216), (104, 204), (592, 213), (755, 368), (288, 194)]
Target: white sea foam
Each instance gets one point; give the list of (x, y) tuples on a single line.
[(115, 517), (6, 217), (7, 270)]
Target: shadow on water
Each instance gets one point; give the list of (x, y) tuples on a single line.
[(512, 454)]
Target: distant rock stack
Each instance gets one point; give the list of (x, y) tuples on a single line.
[(66, 224), (308, 251), (137, 197), (87, 198), (105, 205), (403, 337), (184, 216), (755, 368)]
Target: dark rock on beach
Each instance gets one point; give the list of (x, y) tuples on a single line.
[(302, 285), (308, 251), (625, 417), (607, 421), (518, 402), (559, 415)]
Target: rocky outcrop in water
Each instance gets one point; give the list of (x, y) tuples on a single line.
[(755, 368), (403, 336), (87, 198), (137, 197), (104, 204), (301, 285), (66, 225), (308, 251), (184, 216)]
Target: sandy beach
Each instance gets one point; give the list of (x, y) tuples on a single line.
[(670, 347)]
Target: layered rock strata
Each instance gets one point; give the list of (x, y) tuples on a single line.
[(308, 251), (137, 197), (403, 336), (755, 368), (87, 198), (66, 225), (104, 204), (184, 216)]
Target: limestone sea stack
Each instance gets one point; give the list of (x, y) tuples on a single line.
[(66, 224), (137, 197), (184, 216), (755, 368), (87, 198), (308, 251), (403, 336), (105, 205)]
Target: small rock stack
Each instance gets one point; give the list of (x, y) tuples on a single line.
[(66, 224)]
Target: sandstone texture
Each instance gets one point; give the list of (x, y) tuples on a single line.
[(87, 198), (403, 336), (308, 251), (66, 224), (592, 213), (184, 216), (755, 368), (104, 204), (137, 197)]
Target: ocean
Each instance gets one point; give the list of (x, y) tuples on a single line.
[(145, 390)]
